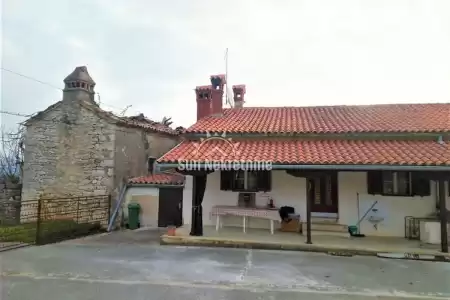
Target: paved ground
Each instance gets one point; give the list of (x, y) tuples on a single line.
[(133, 266)]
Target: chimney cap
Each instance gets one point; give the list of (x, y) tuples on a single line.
[(80, 74), (239, 87), (203, 87), (218, 81)]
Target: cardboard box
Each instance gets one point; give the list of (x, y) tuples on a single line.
[(291, 226)]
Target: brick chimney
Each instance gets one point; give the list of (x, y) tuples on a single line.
[(209, 97), (217, 83), (203, 101), (239, 92)]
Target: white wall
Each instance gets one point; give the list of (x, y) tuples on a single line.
[(148, 198), (394, 208), (291, 191), (286, 190)]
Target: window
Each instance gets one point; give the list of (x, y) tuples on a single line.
[(398, 183), (246, 181)]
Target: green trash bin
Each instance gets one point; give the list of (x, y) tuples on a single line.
[(133, 216)]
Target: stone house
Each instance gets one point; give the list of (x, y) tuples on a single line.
[(75, 148)]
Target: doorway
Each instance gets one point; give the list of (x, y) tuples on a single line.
[(323, 193), (170, 207)]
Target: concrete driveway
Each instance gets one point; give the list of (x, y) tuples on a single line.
[(131, 265)]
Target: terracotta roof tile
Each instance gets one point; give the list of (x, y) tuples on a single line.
[(386, 152), (329, 119), (159, 179)]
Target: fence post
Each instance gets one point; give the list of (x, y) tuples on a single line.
[(109, 209), (38, 222), (78, 210)]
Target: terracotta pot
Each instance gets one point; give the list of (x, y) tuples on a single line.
[(171, 230)]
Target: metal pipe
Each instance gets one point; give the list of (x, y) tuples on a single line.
[(443, 215), (308, 211), (116, 210)]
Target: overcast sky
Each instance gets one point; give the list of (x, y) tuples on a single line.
[(152, 54)]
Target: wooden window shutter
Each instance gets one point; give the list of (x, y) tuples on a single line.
[(264, 181), (420, 185), (374, 182), (226, 180)]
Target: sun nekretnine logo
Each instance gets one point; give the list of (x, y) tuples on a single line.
[(217, 152), (221, 147)]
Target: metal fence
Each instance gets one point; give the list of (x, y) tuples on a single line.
[(50, 220)]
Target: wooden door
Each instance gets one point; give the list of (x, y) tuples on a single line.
[(170, 207), (322, 193)]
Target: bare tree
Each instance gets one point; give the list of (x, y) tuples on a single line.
[(167, 121), (11, 154)]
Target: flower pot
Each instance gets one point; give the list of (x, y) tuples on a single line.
[(171, 230)]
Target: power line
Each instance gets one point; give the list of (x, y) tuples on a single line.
[(58, 88), (31, 78), (14, 113)]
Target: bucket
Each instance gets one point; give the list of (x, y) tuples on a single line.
[(171, 230), (352, 230)]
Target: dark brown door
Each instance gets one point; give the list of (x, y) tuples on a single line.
[(323, 194), (170, 207)]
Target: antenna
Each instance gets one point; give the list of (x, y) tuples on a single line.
[(125, 110), (227, 98)]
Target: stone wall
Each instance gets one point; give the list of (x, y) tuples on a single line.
[(133, 147), (69, 151), (10, 203)]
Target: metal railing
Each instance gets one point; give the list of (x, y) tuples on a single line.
[(50, 220)]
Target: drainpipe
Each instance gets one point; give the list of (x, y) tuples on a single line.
[(118, 206)]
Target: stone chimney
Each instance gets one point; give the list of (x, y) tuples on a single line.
[(239, 92), (209, 97), (79, 86)]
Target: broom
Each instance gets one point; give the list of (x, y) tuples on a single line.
[(353, 230)]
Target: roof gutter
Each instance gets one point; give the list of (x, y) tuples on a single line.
[(329, 167)]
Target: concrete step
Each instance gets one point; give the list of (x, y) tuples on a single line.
[(327, 227), (329, 220), (326, 232)]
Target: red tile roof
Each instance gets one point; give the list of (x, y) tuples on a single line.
[(159, 179), (329, 119), (388, 152)]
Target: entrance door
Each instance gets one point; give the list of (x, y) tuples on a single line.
[(322, 193), (170, 207)]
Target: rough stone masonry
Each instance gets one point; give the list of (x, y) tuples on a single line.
[(74, 148)]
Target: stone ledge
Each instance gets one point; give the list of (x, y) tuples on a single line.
[(318, 248)]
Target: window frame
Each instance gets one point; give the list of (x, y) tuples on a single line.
[(258, 186), (395, 184)]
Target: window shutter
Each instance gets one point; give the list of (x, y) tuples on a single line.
[(420, 185), (374, 182), (264, 181), (226, 180)]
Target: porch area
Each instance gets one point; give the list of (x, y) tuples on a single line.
[(234, 237)]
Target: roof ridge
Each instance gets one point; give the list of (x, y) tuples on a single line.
[(345, 105), (391, 117)]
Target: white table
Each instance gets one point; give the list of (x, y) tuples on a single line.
[(245, 212)]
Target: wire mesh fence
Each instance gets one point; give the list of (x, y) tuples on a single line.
[(50, 220)]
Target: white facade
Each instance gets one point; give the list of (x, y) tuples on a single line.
[(291, 191), (148, 199)]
